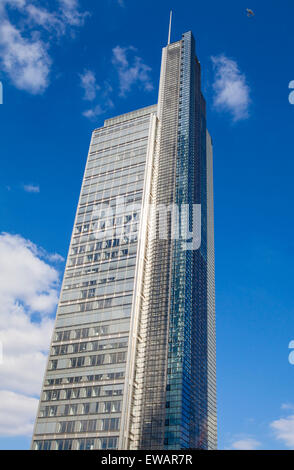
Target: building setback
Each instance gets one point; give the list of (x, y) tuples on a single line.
[(132, 360)]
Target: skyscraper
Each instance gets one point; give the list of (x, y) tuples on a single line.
[(132, 360)]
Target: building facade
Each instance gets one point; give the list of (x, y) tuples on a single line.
[(132, 361)]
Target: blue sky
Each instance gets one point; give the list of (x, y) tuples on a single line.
[(66, 65)]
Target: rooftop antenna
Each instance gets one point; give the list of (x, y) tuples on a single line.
[(170, 23)]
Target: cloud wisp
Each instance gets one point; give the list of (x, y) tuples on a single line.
[(131, 70), (29, 288), (231, 92), (246, 444), (24, 42), (31, 188), (17, 412), (89, 85), (287, 406), (26, 61), (71, 14), (94, 92), (284, 430)]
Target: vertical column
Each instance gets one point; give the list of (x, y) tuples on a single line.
[(157, 283), (211, 341)]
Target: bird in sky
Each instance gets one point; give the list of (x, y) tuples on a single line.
[(250, 12)]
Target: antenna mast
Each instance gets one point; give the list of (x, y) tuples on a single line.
[(169, 30)]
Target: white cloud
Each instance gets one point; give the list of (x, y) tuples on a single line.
[(89, 85), (93, 112), (97, 110), (46, 19), (91, 88), (130, 72), (25, 347), (13, 3), (29, 288), (31, 188), (24, 50), (16, 414), (70, 12), (24, 277), (246, 444), (26, 61), (287, 406), (284, 430), (232, 93), (55, 258)]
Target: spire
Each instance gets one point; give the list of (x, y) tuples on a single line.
[(169, 30)]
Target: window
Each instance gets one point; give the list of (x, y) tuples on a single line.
[(66, 335), (67, 444), (84, 426), (42, 445), (86, 307), (51, 395), (92, 425), (91, 293), (52, 410), (64, 444), (96, 391), (70, 410), (47, 445), (85, 332), (66, 427), (77, 361), (77, 334), (110, 424), (112, 406), (112, 443), (58, 336), (62, 335), (88, 425), (53, 364), (85, 409), (100, 330), (108, 302), (49, 382), (75, 393), (86, 444), (97, 360), (116, 358)]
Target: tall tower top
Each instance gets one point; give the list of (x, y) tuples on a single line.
[(169, 29)]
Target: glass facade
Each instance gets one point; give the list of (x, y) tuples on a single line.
[(132, 361), (81, 400), (174, 392)]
